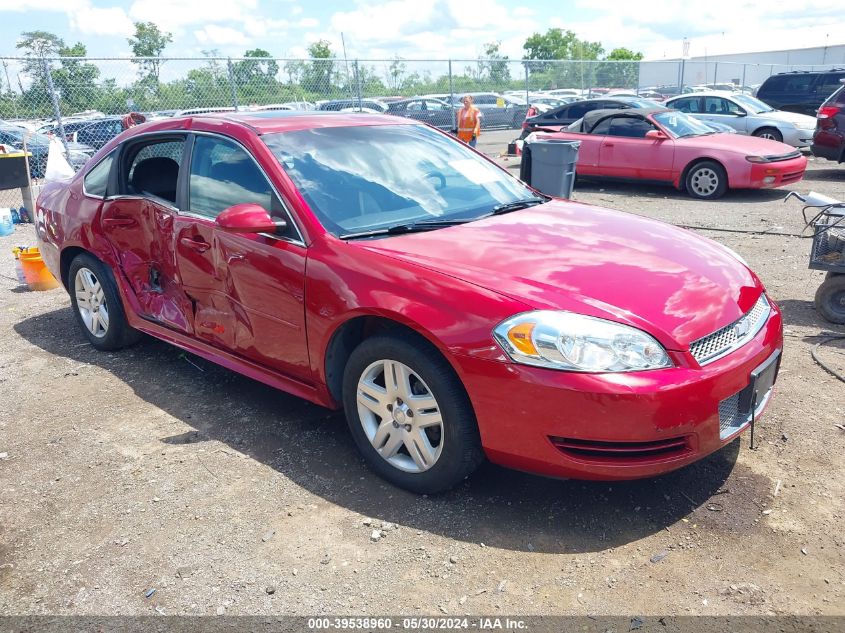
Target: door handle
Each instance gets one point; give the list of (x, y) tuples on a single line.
[(608, 144), (199, 245), (118, 220)]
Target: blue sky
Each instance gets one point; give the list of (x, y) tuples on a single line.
[(428, 29)]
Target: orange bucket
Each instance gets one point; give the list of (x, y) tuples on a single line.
[(35, 273)]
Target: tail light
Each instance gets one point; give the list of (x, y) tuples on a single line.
[(827, 112)]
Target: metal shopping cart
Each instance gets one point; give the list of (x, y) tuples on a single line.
[(828, 251)]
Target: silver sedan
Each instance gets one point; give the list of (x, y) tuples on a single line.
[(747, 115)]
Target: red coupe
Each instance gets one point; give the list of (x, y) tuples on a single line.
[(379, 265), (666, 146)]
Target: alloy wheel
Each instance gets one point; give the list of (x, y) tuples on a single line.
[(91, 302), (704, 182), (769, 136), (400, 416)]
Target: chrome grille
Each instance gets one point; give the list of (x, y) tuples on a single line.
[(733, 336)]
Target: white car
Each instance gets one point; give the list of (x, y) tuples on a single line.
[(747, 115)]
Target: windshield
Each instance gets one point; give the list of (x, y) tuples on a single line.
[(750, 103), (366, 178), (679, 125)]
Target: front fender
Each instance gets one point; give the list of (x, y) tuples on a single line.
[(345, 281)]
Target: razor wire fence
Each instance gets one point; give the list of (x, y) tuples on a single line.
[(84, 102)]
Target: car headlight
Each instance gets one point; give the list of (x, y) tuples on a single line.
[(574, 342)]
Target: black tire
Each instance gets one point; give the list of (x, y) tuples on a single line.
[(769, 132), (830, 299), (714, 173), (118, 334), (461, 451)]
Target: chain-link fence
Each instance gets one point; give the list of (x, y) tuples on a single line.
[(84, 102)]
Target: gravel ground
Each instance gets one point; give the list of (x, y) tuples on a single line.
[(149, 469)]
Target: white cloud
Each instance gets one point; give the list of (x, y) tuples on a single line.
[(221, 36), (82, 15), (106, 21), (307, 23), (173, 15)]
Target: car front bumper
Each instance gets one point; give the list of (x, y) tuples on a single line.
[(612, 426), (777, 174), (798, 137)]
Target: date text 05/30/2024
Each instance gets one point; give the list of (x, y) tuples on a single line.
[(418, 624)]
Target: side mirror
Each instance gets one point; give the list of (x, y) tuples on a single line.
[(656, 135), (248, 218), (742, 113)]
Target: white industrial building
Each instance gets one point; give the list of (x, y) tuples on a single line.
[(749, 69)]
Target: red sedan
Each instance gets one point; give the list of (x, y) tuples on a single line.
[(669, 147), (379, 265)]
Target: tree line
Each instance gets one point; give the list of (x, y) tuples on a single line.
[(259, 79)]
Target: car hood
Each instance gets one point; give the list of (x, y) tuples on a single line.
[(738, 143), (801, 121), (566, 256)]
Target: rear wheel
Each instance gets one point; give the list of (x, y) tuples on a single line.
[(97, 305), (830, 299), (409, 414), (771, 133), (707, 180)]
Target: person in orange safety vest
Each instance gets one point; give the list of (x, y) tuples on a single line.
[(469, 122)]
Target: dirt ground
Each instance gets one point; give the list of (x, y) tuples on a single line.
[(150, 481)]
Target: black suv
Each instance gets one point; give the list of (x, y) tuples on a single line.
[(829, 138), (800, 91)]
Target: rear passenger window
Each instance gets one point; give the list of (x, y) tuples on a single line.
[(96, 181), (687, 105), (829, 83), (154, 170)]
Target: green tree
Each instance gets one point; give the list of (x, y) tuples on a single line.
[(317, 74), (396, 72), (76, 80), (36, 46), (255, 76), (496, 64), (557, 45), (622, 69), (149, 42)]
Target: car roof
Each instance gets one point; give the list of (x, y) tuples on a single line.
[(708, 93), (592, 117), (271, 121)]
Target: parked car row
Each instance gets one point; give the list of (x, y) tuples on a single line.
[(722, 111), (38, 145)]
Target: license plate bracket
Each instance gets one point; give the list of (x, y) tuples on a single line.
[(762, 380)]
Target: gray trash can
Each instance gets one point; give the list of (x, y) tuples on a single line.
[(548, 165)]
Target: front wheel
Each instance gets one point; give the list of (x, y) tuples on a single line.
[(707, 181), (409, 414), (97, 306), (830, 299), (771, 133)]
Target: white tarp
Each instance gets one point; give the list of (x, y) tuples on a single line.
[(57, 166)]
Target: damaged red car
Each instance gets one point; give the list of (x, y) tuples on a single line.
[(375, 264)]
